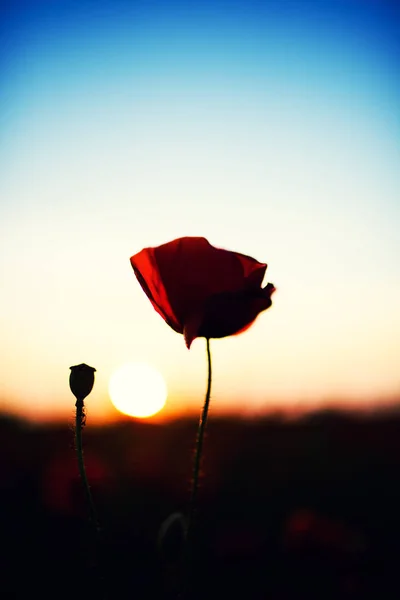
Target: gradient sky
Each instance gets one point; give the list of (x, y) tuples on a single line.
[(271, 128)]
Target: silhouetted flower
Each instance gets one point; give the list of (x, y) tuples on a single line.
[(81, 380), (200, 290)]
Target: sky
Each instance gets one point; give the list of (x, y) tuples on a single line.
[(271, 128)]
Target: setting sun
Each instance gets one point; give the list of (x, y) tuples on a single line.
[(138, 390)]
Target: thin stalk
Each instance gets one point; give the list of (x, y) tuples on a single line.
[(199, 446), (188, 554), (80, 420)]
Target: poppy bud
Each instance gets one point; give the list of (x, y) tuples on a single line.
[(81, 380)]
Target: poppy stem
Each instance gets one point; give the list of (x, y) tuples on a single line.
[(197, 458), (80, 420)]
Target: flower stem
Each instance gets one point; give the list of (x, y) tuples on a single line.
[(80, 420), (198, 452)]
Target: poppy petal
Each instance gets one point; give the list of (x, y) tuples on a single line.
[(192, 327), (146, 271), (201, 290), (232, 313), (192, 270)]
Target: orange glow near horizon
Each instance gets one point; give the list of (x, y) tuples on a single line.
[(101, 411)]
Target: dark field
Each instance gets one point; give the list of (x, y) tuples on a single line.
[(307, 509)]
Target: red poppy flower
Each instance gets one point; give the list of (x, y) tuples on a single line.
[(200, 290)]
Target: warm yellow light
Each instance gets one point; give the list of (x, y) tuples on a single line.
[(137, 390)]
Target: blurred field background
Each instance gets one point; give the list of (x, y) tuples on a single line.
[(307, 508)]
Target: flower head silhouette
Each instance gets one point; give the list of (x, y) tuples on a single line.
[(200, 290), (81, 380)]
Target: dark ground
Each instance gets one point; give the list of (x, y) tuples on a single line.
[(307, 509)]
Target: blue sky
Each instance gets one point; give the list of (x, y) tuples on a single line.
[(272, 128)]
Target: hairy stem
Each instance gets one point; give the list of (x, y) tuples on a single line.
[(80, 420), (79, 424)]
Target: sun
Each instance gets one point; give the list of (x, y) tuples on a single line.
[(137, 389)]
